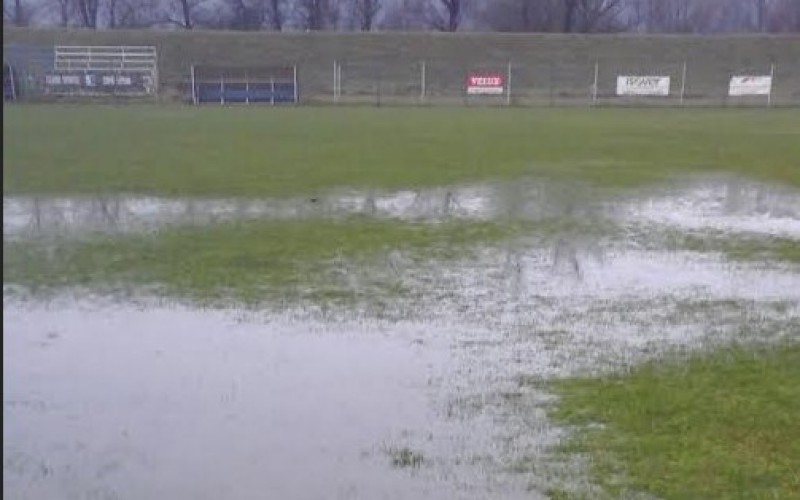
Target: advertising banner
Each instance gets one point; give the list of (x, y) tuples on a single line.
[(98, 83), (485, 83), (750, 85), (643, 85)]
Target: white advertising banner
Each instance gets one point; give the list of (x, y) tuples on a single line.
[(750, 85), (643, 85)]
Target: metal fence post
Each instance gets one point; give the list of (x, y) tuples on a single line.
[(12, 82), (294, 75), (771, 84), (508, 84), (335, 92), (378, 89), (194, 87), (683, 83), (594, 86), (422, 84)]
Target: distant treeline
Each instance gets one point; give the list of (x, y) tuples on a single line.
[(544, 16)]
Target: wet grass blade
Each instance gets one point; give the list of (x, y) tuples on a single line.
[(243, 151), (716, 426), (253, 260)]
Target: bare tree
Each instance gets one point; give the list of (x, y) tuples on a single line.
[(539, 15), (599, 15), (276, 14), (211, 15), (215, 14), (18, 14), (785, 16), (64, 8), (181, 13), (673, 16), (246, 15), (19, 19), (88, 10), (503, 15), (453, 8), (186, 11), (311, 12), (111, 5), (574, 16), (521, 15), (732, 16), (587, 16), (761, 14), (365, 13), (315, 15), (765, 12), (406, 15), (446, 16), (132, 13), (570, 9)]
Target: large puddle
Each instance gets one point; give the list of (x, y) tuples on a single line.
[(428, 399), (119, 402), (729, 204)]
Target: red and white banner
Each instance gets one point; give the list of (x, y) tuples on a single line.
[(485, 83), (750, 85)]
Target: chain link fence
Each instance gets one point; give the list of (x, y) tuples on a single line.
[(29, 64), (551, 83), (379, 79)]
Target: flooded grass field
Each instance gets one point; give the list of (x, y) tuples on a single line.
[(364, 343)]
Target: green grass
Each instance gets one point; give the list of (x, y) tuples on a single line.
[(720, 426), (248, 261), (260, 261), (256, 151), (746, 248)]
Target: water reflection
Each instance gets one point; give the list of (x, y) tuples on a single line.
[(194, 403), (31, 215), (727, 204), (191, 404), (305, 402)]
